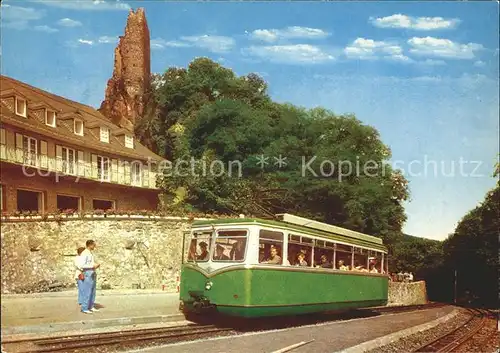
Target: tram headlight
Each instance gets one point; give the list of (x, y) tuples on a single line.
[(208, 285)]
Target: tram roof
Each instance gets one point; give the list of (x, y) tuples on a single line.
[(312, 227)]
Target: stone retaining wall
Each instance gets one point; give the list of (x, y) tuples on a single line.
[(38, 255), (413, 293)]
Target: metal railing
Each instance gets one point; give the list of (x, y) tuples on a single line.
[(116, 173)]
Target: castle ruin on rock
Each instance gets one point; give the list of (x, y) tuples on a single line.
[(124, 103)]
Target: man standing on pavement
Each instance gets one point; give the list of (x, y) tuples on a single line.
[(89, 283)]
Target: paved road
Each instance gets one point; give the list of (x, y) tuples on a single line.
[(39, 309), (332, 337)]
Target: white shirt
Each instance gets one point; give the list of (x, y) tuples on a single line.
[(87, 261), (78, 265)]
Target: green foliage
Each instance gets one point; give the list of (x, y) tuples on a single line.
[(179, 94), (472, 250), (207, 113), (418, 255), (232, 129)]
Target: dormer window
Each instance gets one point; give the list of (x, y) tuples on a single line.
[(129, 141), (104, 134), (50, 118), (21, 107), (78, 127)]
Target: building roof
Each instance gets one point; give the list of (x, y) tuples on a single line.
[(66, 109)]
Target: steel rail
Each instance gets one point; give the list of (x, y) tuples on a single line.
[(450, 341), (84, 340), (64, 344), (88, 336)]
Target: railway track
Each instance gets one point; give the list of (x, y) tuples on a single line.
[(77, 343), (97, 342), (451, 341)]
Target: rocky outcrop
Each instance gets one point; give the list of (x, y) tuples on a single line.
[(125, 99)]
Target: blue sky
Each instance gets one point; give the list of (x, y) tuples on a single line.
[(424, 74)]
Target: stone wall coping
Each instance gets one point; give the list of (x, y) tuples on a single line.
[(61, 218), (406, 283)]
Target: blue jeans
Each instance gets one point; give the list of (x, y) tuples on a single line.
[(88, 290), (79, 284)]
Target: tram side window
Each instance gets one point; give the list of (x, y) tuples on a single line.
[(323, 254), (360, 259), (199, 247), (270, 247), (300, 250), (343, 254), (375, 262), (230, 245)]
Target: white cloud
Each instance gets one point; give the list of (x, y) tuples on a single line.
[(290, 54), (20, 25), (416, 23), (108, 39), (45, 28), (176, 44), (17, 17), (445, 48), (466, 80), (428, 79), (68, 22), (479, 63), (160, 43), (18, 13), (85, 41), (157, 44), (432, 62), (293, 32), (100, 40), (97, 5), (215, 44), (399, 58), (369, 49)]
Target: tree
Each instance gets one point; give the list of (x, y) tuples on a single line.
[(472, 250), (208, 114), (179, 94)]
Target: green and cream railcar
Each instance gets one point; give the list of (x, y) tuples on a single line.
[(255, 268)]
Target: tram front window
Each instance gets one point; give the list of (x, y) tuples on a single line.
[(199, 246), (230, 245)]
